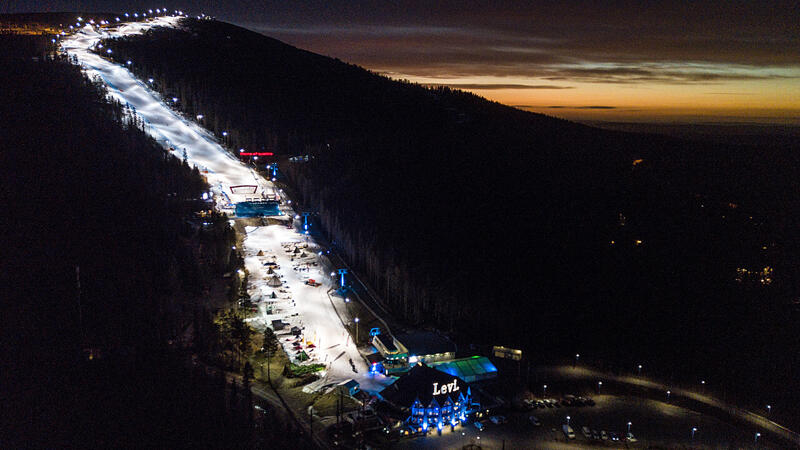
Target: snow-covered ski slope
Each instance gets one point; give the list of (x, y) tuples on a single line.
[(164, 124), (299, 304)]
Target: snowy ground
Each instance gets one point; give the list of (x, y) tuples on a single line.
[(297, 303), (164, 124)]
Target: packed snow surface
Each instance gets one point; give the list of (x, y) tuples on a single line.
[(323, 338)]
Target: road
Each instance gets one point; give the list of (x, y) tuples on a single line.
[(748, 417)]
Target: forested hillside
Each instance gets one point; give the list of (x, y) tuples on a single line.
[(104, 269), (510, 227)]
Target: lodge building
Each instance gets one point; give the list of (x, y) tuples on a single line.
[(431, 398)]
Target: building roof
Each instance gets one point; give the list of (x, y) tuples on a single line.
[(418, 383), (425, 343), (472, 369)]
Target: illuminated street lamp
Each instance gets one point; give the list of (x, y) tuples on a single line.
[(599, 385), (694, 430), (129, 62), (567, 420), (629, 427), (356, 320), (200, 117), (640, 369), (544, 390), (174, 99), (577, 355), (150, 80), (769, 409), (668, 392)]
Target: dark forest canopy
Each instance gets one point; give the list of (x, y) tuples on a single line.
[(83, 186), (504, 226)]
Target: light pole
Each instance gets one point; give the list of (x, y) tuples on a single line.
[(599, 385), (567, 420), (694, 430), (356, 321), (629, 427), (769, 409), (758, 435), (544, 390), (640, 370), (668, 392), (577, 355)]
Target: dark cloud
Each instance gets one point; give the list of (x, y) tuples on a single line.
[(580, 107), (489, 86), (682, 42), (670, 41)]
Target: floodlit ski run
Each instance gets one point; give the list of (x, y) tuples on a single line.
[(297, 303)]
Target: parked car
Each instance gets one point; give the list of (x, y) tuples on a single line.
[(498, 420), (603, 435), (589, 401), (568, 432), (534, 421), (631, 438), (595, 435), (614, 436), (586, 432)]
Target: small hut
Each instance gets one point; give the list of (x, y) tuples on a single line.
[(274, 281)]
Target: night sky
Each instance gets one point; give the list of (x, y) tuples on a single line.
[(668, 60)]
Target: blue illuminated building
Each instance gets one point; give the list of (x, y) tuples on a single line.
[(431, 398)]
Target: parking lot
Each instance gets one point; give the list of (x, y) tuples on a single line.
[(653, 423)]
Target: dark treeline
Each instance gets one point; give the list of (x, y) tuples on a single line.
[(99, 363), (504, 226)]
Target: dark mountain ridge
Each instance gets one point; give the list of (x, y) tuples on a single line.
[(505, 226)]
